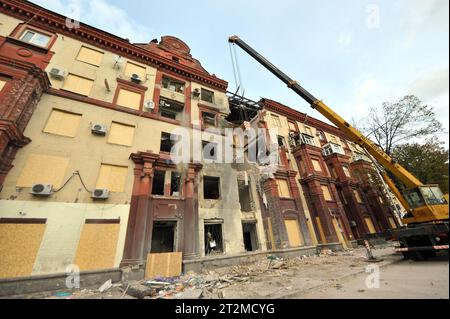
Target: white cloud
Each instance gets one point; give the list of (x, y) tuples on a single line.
[(102, 15)]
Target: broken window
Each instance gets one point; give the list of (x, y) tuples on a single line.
[(163, 237), (175, 184), (245, 198), (208, 119), (308, 139), (250, 238), (213, 239), (207, 96), (211, 187), (281, 141), (209, 150), (170, 109), (158, 183), (167, 142), (173, 85)]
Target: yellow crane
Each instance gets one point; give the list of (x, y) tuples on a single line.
[(427, 219)]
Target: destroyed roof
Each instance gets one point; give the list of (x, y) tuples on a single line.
[(175, 49)]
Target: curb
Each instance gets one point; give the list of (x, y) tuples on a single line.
[(298, 294)]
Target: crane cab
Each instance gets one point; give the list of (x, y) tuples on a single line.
[(427, 203)]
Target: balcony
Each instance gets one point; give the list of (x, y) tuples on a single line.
[(332, 148), (296, 139)]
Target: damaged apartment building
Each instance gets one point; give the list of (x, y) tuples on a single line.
[(87, 122)]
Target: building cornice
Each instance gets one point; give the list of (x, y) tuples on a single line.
[(292, 114), (51, 21)]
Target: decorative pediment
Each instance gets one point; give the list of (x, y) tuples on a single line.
[(175, 45)]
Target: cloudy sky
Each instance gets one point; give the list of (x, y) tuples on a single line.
[(353, 54)]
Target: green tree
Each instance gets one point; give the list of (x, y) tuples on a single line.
[(394, 123), (428, 161)]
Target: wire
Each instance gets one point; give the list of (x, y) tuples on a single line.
[(76, 173), (64, 185), (234, 67), (82, 182)]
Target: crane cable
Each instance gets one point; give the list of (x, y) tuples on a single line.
[(236, 69)]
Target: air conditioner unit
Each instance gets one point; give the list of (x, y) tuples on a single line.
[(42, 189), (293, 134), (100, 194), (135, 78), (163, 103), (98, 129), (149, 106), (196, 92), (57, 74)]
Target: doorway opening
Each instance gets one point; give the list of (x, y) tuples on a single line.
[(163, 237), (213, 239), (250, 238)]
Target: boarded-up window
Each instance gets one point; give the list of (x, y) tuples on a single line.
[(293, 232), (112, 177), (129, 99), (2, 84), (357, 196), (90, 56), (292, 126), (132, 68), (121, 134), (63, 123), (346, 171), (316, 165), (326, 192), (308, 131), (333, 139), (276, 120), (283, 188), (97, 245), (44, 169), (78, 84), (370, 225), (321, 232), (392, 222), (19, 246)]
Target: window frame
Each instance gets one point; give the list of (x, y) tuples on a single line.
[(89, 48), (203, 90)]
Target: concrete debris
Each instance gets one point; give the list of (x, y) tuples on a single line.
[(140, 291), (106, 286), (239, 280)]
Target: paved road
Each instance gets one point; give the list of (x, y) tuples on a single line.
[(402, 280)]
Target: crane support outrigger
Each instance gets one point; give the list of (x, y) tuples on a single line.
[(427, 220)]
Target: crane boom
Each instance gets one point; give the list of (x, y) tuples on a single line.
[(385, 160), (425, 203)]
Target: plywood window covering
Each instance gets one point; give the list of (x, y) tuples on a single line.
[(326, 192), (121, 134), (392, 222), (132, 68), (346, 171), (2, 84), (41, 168), (333, 139), (276, 120), (130, 99), (63, 123), (357, 196), (90, 56), (370, 225), (78, 84), (316, 165), (293, 232), (112, 177), (19, 246), (283, 188), (292, 126), (308, 131), (321, 232), (97, 246)]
